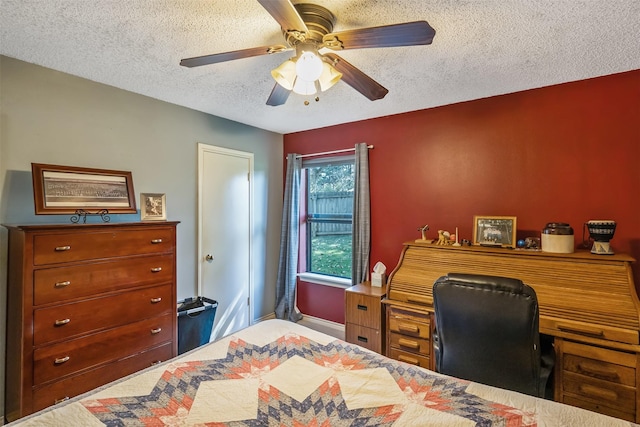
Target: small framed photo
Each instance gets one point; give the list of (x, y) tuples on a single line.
[(153, 207), (498, 231), (68, 189)]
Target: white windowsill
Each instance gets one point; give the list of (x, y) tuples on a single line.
[(321, 279)]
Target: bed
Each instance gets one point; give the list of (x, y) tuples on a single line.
[(278, 373)]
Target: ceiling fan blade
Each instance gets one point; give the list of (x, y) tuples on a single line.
[(229, 56), (285, 14), (278, 96), (407, 34), (357, 79)]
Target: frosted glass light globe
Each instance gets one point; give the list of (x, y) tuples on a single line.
[(309, 67)]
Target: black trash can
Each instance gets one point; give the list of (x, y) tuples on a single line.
[(195, 322)]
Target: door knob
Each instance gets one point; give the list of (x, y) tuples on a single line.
[(209, 257)]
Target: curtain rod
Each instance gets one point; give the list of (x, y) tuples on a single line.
[(330, 152)]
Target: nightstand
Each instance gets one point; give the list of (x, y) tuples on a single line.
[(363, 316)]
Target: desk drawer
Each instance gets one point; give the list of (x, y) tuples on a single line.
[(605, 393), (598, 369), (73, 386), (411, 344), (68, 247), (408, 326), (59, 360), (69, 320), (411, 358), (59, 284)]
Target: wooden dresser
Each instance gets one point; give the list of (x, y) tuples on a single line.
[(363, 316), (86, 304), (588, 304)]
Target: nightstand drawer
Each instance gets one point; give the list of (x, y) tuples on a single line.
[(363, 310), (364, 337)]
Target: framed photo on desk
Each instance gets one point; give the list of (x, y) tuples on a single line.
[(496, 231)]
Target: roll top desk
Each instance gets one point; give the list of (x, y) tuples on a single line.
[(588, 305)]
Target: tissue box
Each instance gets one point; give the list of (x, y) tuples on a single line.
[(378, 279)]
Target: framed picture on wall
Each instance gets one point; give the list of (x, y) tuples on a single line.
[(68, 189), (153, 207), (499, 231)]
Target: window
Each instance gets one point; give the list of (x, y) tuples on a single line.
[(329, 215)]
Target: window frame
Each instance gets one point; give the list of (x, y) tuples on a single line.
[(305, 241)]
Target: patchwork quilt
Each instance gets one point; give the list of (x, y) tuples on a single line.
[(278, 373)]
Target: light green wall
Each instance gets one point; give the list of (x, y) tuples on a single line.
[(51, 117)]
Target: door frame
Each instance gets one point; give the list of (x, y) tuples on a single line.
[(202, 149)]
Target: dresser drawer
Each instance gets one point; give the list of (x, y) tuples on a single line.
[(59, 248), (411, 358), (65, 283), (411, 344), (69, 320), (73, 386), (58, 360), (363, 310), (364, 337)]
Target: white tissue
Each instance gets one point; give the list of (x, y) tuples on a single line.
[(378, 276)]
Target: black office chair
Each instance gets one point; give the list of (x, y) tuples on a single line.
[(487, 332)]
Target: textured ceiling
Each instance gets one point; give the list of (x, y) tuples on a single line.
[(482, 48)]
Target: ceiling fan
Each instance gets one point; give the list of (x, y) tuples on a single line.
[(307, 28)]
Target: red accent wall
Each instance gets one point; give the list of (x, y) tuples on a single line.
[(564, 153)]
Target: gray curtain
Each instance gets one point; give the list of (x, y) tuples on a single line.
[(361, 217), (288, 265)]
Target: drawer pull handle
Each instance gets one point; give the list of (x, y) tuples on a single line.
[(64, 399), (407, 359), (156, 300), (156, 269), (408, 328), (156, 331), (156, 241), (362, 307), (63, 248), (61, 322), (156, 362), (362, 339), (61, 360), (62, 284), (408, 343), (598, 371), (599, 392), (581, 331)]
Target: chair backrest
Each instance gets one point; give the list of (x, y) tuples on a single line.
[(487, 331)]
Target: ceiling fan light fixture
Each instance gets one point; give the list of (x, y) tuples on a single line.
[(303, 87), (285, 74), (309, 66), (329, 76)]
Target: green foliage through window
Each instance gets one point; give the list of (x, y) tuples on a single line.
[(329, 219)]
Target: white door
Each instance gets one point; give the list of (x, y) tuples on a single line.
[(225, 228)]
